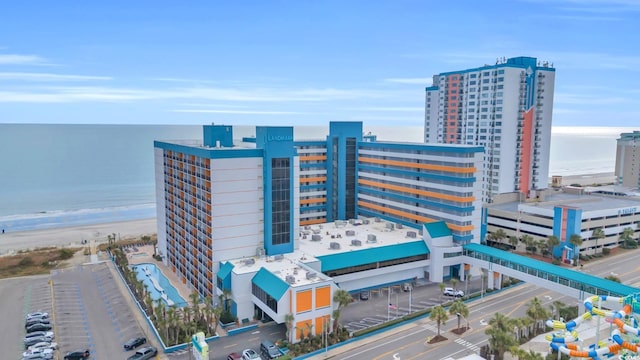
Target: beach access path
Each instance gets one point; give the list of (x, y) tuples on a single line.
[(11, 242)]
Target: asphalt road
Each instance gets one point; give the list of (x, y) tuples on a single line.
[(408, 342)]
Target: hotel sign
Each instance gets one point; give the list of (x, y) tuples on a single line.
[(279, 138), (627, 211)]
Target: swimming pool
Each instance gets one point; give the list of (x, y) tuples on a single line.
[(158, 285)]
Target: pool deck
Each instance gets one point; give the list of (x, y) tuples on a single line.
[(144, 255)]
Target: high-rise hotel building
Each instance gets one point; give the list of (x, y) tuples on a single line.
[(281, 223), (627, 169), (505, 108)]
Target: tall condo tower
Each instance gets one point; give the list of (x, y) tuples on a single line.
[(506, 108), (628, 159)]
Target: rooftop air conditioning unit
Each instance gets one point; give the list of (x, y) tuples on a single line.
[(377, 219), (350, 233), (334, 245), (311, 274), (398, 226), (307, 227), (356, 242), (412, 234), (291, 279), (260, 252), (249, 262), (352, 221), (389, 226), (278, 257), (316, 237), (371, 238), (316, 231), (295, 271), (365, 221)]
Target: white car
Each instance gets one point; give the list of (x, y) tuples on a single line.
[(44, 345), (452, 292), (250, 354), (48, 353), (38, 314)]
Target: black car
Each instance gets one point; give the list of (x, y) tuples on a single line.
[(38, 327), (77, 355), (134, 343)]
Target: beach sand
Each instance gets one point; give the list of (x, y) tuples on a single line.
[(589, 179), (11, 242)]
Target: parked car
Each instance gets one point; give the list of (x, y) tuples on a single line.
[(44, 345), (269, 351), (134, 343), (234, 356), (364, 295), (144, 353), (36, 321), (77, 355), (36, 314), (38, 327), (34, 340), (452, 292), (250, 354), (47, 353), (38, 356), (47, 334)]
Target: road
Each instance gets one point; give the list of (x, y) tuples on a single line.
[(408, 342)]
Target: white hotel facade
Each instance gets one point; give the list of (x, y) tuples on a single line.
[(506, 108), (281, 224)]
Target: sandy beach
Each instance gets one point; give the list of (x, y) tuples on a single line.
[(72, 236), (588, 179)]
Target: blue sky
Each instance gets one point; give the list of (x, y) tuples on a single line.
[(302, 62)]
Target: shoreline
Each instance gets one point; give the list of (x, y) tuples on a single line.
[(14, 241)]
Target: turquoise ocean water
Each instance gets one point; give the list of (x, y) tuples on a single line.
[(62, 175)]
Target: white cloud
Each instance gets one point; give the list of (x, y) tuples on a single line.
[(419, 81), (250, 94), (241, 112), (16, 59), (28, 76), (390, 108)]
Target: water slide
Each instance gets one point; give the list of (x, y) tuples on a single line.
[(157, 286), (563, 340)]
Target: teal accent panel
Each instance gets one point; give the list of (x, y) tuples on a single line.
[(367, 256), (422, 147), (437, 229), (214, 133), (271, 284), (224, 274), (208, 153)]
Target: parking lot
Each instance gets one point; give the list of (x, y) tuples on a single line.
[(19, 297), (90, 312)]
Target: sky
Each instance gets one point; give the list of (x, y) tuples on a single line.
[(274, 62)]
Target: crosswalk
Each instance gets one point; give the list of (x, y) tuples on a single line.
[(467, 344)]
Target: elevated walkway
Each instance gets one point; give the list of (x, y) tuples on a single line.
[(573, 283)]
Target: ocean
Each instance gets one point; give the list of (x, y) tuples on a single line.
[(66, 175)]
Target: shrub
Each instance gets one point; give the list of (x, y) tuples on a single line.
[(26, 261), (64, 254), (606, 251), (226, 318)]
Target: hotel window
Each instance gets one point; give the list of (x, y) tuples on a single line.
[(501, 71), (485, 81), (280, 196), (473, 76), (500, 79), (472, 82), (486, 73)]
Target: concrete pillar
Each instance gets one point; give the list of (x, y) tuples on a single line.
[(490, 280)]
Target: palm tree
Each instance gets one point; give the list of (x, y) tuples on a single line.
[(195, 306), (342, 298), (441, 286), (613, 278), (454, 282), (458, 307), (439, 315), (537, 313), (466, 288), (627, 238), (598, 234), (576, 241), (552, 242), (500, 339), (528, 242), (556, 306), (513, 241), (172, 321)]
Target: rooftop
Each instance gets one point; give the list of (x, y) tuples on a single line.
[(586, 202)]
